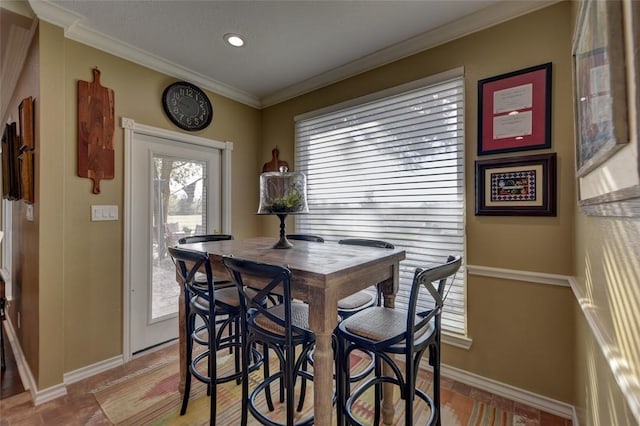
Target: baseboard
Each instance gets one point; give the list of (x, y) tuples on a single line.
[(513, 393), (28, 381), (92, 370)]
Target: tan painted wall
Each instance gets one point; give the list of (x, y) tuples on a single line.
[(598, 398), (513, 324), (608, 274), (25, 234), (78, 307)]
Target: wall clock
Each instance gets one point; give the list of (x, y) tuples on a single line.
[(187, 106)]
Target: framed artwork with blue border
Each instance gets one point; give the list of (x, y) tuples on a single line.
[(516, 186)]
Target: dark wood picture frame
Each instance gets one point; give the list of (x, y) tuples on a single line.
[(26, 176), (26, 123), (514, 111), (10, 172), (516, 186)]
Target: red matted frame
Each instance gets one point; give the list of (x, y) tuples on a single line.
[(514, 111)]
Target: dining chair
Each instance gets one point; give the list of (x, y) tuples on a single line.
[(364, 298), (203, 238), (216, 308), (284, 328), (389, 332), (306, 237)]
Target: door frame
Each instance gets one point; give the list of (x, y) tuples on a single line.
[(131, 129)]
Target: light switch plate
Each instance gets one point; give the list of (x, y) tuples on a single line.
[(102, 213)]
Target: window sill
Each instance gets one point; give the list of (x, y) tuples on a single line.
[(457, 340)]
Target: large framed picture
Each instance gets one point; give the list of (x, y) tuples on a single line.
[(600, 87), (26, 123), (607, 122), (516, 186), (514, 111), (26, 176)]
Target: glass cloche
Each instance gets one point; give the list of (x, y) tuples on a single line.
[(283, 192)]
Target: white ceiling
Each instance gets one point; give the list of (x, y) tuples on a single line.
[(291, 46)]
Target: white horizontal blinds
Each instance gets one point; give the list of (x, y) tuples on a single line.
[(392, 169)]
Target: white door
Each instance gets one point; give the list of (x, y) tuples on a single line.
[(175, 192)]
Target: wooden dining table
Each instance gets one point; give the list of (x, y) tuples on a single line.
[(322, 274)]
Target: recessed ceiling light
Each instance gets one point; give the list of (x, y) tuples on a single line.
[(234, 40)]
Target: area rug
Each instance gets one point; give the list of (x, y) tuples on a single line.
[(152, 398)]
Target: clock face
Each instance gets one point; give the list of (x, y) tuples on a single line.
[(187, 106)]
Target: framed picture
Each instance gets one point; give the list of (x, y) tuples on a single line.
[(26, 175), (514, 111), (10, 172), (516, 186), (25, 120), (609, 180), (599, 79)]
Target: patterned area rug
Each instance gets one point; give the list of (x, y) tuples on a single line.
[(152, 397)]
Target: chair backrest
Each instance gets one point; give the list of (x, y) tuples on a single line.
[(189, 262), (204, 238), (265, 279), (442, 274), (366, 242), (306, 237)]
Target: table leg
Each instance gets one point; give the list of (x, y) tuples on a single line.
[(323, 380), (322, 320)]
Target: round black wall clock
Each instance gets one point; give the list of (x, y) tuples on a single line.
[(187, 106)]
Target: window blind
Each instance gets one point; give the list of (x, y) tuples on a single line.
[(392, 169)]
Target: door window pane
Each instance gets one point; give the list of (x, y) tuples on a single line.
[(179, 210)]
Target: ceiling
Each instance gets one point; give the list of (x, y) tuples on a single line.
[(291, 47)]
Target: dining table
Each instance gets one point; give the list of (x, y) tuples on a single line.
[(322, 274)]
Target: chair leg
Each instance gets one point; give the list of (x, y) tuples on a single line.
[(213, 376), (188, 358), (409, 390), (303, 386), (235, 346), (436, 382), (289, 382), (267, 395), (340, 377), (377, 391)]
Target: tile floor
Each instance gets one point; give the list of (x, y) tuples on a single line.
[(79, 406)]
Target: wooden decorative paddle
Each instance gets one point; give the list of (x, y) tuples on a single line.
[(96, 123)]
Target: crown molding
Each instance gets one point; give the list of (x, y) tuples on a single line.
[(493, 15), (75, 30), (485, 18)]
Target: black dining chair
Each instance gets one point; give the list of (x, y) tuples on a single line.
[(282, 328), (203, 238), (306, 237), (364, 298), (389, 332), (216, 308)]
